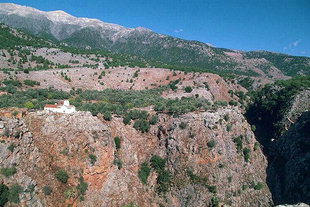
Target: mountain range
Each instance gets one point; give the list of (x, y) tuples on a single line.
[(160, 50)]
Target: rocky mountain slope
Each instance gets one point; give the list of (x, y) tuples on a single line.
[(198, 173), (157, 49)]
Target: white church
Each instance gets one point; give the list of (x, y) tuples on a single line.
[(60, 107)]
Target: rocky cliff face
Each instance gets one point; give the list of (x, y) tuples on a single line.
[(204, 151), (288, 172)]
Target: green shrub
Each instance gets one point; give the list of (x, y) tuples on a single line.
[(258, 186), (158, 163), (29, 105), (127, 119), (93, 158), (154, 119), (117, 142), (144, 172), (47, 190), (31, 83), (212, 188), (246, 154), (228, 127), (62, 176), (82, 187), (11, 147), (211, 144), (215, 202), (226, 117), (107, 116), (15, 190), (188, 89), (70, 193), (183, 125), (118, 163), (239, 144), (142, 125), (8, 172), (4, 194)]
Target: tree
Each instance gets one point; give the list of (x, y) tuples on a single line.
[(29, 105), (188, 89), (4, 194), (62, 176)]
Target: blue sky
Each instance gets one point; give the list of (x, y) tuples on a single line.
[(273, 25)]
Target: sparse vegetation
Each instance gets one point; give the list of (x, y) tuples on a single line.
[(144, 172), (47, 190), (211, 144), (8, 172), (92, 158), (62, 176), (117, 142)]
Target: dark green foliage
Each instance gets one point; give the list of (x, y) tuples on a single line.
[(142, 125), (118, 163), (246, 154), (154, 119), (15, 190), (215, 202), (4, 194), (188, 89), (246, 83), (47, 190), (157, 162), (9, 82), (93, 158), (238, 142), (228, 127), (211, 144), (62, 176), (212, 188), (258, 186), (183, 125), (144, 172), (164, 176), (82, 188), (31, 83), (107, 116), (11, 147), (226, 117), (127, 119), (117, 142), (8, 172)]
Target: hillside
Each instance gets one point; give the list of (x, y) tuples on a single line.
[(159, 50)]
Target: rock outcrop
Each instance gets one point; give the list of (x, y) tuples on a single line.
[(202, 149)]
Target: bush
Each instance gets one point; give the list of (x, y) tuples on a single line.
[(117, 142), (11, 147), (47, 190), (4, 194), (154, 120), (188, 89), (62, 176), (246, 154), (142, 125), (258, 186), (107, 116), (15, 190), (31, 83), (215, 202), (212, 188), (127, 119), (8, 172), (93, 158), (158, 163), (144, 172), (183, 125), (82, 187), (238, 142), (29, 105), (211, 144)]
